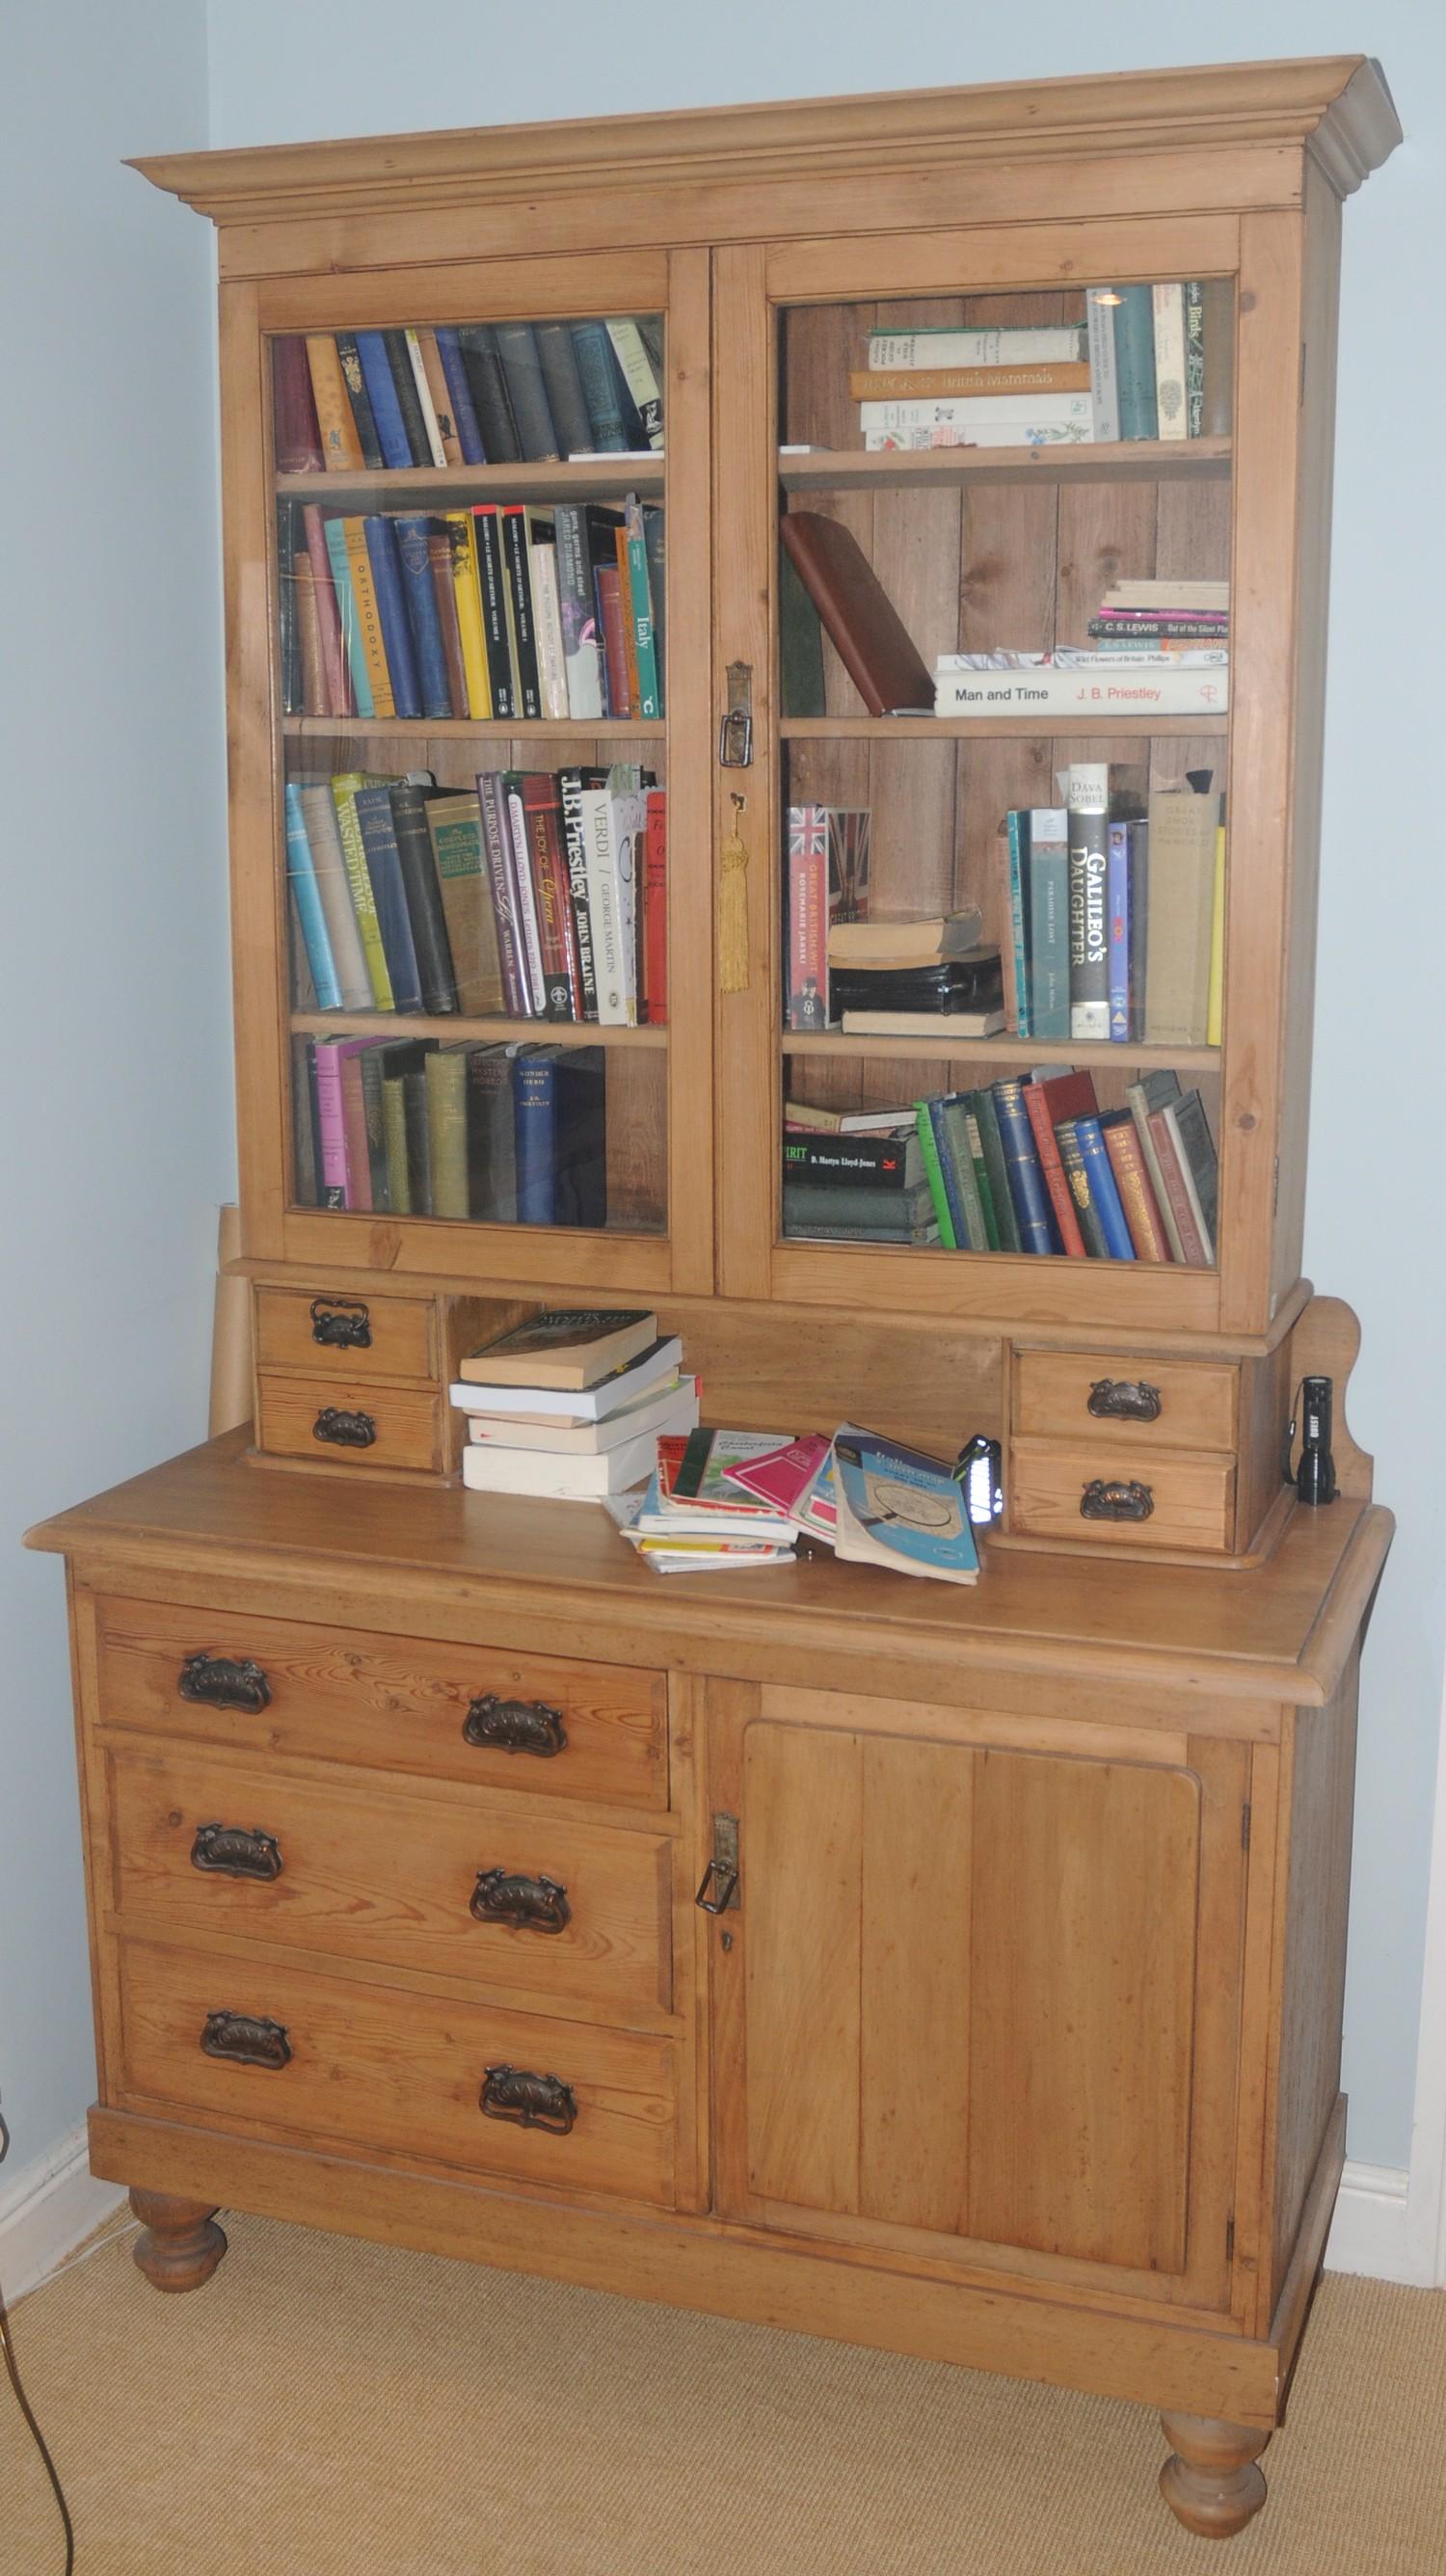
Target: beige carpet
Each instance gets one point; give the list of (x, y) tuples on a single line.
[(325, 2408)]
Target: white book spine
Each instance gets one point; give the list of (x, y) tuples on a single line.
[(1104, 383), (959, 411), (630, 835), (1168, 304), (1130, 690), (1004, 433), (602, 903), (639, 378), (1055, 345), (547, 619), (527, 921), (424, 396)]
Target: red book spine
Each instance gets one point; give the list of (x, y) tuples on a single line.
[(298, 435), (335, 677), (1137, 1196), (557, 931), (1061, 1198), (1192, 1249), (806, 999), (615, 651), (655, 931)]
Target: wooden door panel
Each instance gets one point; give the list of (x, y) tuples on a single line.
[(803, 1801), (914, 1984)]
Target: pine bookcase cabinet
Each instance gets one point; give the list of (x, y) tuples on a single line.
[(1016, 2041)]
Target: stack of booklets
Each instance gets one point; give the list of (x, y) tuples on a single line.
[(725, 1500), (569, 1406), (900, 1509), (494, 609), (478, 393), (1079, 680), (533, 894)]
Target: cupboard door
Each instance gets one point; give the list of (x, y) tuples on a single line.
[(979, 2002)]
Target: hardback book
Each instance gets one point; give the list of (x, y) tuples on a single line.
[(1136, 1190), (669, 1408), (921, 940), (571, 784), (290, 549), (800, 644), (1116, 685), (496, 612), (334, 894), (386, 411), (404, 1115), (437, 402), (807, 1203), (999, 345), (561, 963), (446, 1095), (603, 845), (608, 590), (900, 1508), (932, 384), (1065, 414), (1193, 295), (301, 874), (1047, 1102), (577, 611), (524, 891), (513, 522), (293, 406), (566, 401), (399, 359), (517, 350), (959, 1021), (459, 395), (1104, 381), (308, 634), (636, 365), (563, 1346), (551, 1478), (560, 1100), (602, 386), (1152, 1091), (807, 965), (1183, 829), (1022, 1167), (883, 1162), (412, 802), (957, 1151), (993, 1172), (1168, 319), (1047, 918), (917, 1235), (336, 681), (369, 623), (1117, 912), (1016, 916), (594, 1403), (1089, 968), (1185, 1123), (491, 401), (1160, 590), (1135, 362), (1104, 1188), (377, 824), (434, 452), (491, 1136), (330, 1126), (547, 616), (1020, 430), (391, 597), (444, 596), (655, 909), (497, 859), (942, 1187), (860, 619), (1077, 1173), (305, 1169), (1217, 332), (365, 903), (340, 446), (334, 531), (467, 594)]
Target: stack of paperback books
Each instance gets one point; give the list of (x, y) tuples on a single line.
[(569, 1405), (730, 1499)]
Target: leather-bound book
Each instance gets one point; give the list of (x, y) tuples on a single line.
[(298, 433), (859, 618)]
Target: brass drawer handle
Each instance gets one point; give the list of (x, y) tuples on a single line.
[(247, 2039), (528, 2101), (1124, 1399), (224, 1681), (341, 1324), (231, 1851), (526, 1904), (515, 1726), (344, 1430), (1116, 1500)]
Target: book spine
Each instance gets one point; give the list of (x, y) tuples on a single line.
[(491, 400), (983, 1178), (1046, 1146), (491, 1137), (1199, 1167), (293, 408), (308, 904), (354, 1121), (534, 1087), (375, 822), (650, 695), (1026, 1181), (1217, 331), (807, 996), (547, 613), (1215, 995), (1194, 295), (1017, 825), (513, 516), (331, 1128), (953, 1233), (1139, 1102), (369, 1059), (1117, 908), (334, 892), (1135, 362), (598, 376), (399, 359), (290, 542), (522, 367), (444, 592), (638, 376), (627, 620), (394, 1132), (439, 396), (1089, 1010), (986, 1110), (431, 426), (368, 619), (381, 542), (955, 1146), (655, 878), (604, 906), (655, 540), (1168, 319), (525, 894), (496, 624), (1118, 1240), (419, 1141), (1076, 1172), (467, 593), (951, 384), (1104, 383), (422, 889), (333, 664), (1111, 687), (967, 412), (459, 395), (344, 791), (412, 534), (446, 1078), (561, 969), (577, 606), (1139, 626), (360, 400), (1016, 346), (570, 790), (1049, 923), (334, 531), (566, 400), (340, 445), (304, 1141), (1137, 1198), (1139, 923), (629, 821), (615, 657), (496, 853), (308, 636), (1176, 1198), (377, 376)]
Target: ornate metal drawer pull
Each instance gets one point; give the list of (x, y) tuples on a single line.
[(1104, 1500), (341, 1324), (246, 2039), (1124, 1399), (527, 1904), (515, 1726), (529, 2101), (345, 1430), (224, 1681), (230, 1851)]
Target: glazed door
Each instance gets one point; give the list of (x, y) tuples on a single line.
[(979, 2003)]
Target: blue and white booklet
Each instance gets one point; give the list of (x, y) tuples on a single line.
[(896, 1507)]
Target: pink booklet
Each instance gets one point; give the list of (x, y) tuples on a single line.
[(782, 1475)]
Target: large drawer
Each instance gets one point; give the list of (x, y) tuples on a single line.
[(544, 1723), (1086, 1490), (399, 2075), (571, 1916), (1157, 1404)]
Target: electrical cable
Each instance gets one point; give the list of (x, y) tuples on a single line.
[(22, 2401)]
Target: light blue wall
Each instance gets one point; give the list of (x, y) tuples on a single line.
[(115, 1131)]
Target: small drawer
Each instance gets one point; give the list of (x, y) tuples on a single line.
[(290, 2053), (1170, 1404), (351, 1422), (342, 1336), (571, 1916), (482, 1715), (1087, 1490)]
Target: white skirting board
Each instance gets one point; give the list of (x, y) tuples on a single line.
[(1369, 2232), (47, 2208)]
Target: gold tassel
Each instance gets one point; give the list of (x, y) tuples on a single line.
[(733, 909)]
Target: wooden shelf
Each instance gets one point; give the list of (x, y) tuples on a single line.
[(1137, 460), (494, 729), (400, 1024), (985, 728), (1003, 1050), (834, 1243), (430, 487)]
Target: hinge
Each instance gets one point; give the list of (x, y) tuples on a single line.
[(719, 1888), (1230, 2238), (1245, 1828)]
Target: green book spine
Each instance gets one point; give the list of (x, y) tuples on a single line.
[(1018, 826), (358, 877), (650, 694), (394, 1130), (446, 1074), (987, 1113), (982, 1181), (966, 1179), (933, 1172)]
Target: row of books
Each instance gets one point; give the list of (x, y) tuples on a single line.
[(1117, 922), (495, 1135), (568, 1405), (1025, 1164), (501, 609), (1151, 362), (480, 393), (533, 895)]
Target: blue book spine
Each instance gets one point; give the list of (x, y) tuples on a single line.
[(356, 660), (464, 410), (948, 1175), (426, 625), (1117, 917), (1019, 914), (534, 1100), (302, 872), (376, 369), (600, 385), (1135, 362), (1104, 1189), (392, 610), (389, 893), (1021, 1159)]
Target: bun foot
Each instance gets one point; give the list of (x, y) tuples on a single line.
[(1210, 2481), (179, 2245)]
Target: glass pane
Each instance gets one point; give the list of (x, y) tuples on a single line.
[(1004, 638), (471, 661)]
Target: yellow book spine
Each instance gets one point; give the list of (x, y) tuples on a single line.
[(1215, 1000), (358, 877), (467, 585), (340, 445), (368, 618)]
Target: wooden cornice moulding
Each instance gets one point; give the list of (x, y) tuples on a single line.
[(1337, 106)]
